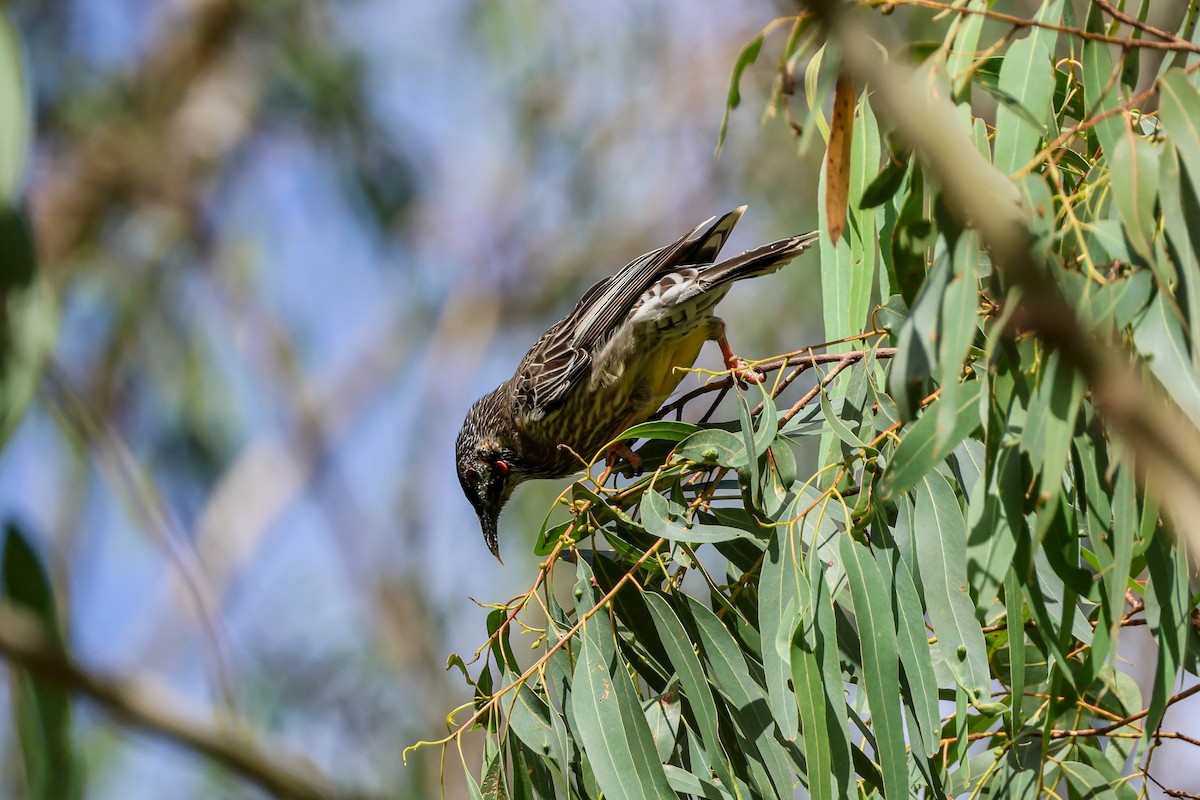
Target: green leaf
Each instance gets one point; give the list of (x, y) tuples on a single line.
[(27, 319), (816, 721), (840, 429), (996, 521), (1167, 609), (750, 469), (1026, 79), (42, 708), (696, 691), (713, 446), (1135, 190), (493, 787), (15, 116), (956, 332), (531, 777), (820, 693), (610, 725), (501, 648), (1159, 337), (1179, 110), (962, 53), (663, 714), (941, 545), (660, 520), (848, 268), (784, 599), (911, 368), (885, 185), (1125, 525), (919, 450), (687, 783), (548, 537), (745, 58), (664, 430), (1099, 96), (530, 718), (1015, 619), (472, 784), (1183, 245), (1086, 781), (881, 668), (730, 671), (1050, 423), (915, 655)]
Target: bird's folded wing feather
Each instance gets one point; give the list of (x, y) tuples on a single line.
[(562, 356)]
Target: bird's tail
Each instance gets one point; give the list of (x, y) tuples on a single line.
[(759, 261)]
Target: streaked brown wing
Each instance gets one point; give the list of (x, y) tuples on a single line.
[(563, 355)]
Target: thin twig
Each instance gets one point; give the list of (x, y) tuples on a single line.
[(537, 665), (1134, 22), (1104, 729), (1172, 42), (798, 359)]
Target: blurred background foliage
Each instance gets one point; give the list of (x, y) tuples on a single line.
[(281, 246)]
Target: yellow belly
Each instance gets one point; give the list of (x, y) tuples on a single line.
[(664, 372)]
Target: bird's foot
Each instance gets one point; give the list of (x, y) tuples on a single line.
[(621, 450), (743, 371), (738, 367)]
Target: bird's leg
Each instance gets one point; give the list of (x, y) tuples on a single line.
[(621, 450), (740, 368)]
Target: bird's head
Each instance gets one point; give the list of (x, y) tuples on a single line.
[(489, 467)]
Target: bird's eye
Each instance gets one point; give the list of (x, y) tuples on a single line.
[(501, 465), (472, 476)]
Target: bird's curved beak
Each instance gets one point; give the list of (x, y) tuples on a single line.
[(491, 535)]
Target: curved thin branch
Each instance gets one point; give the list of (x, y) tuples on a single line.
[(227, 741)]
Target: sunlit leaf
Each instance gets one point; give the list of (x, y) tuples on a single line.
[(881, 669), (941, 551), (610, 725), (1026, 83), (1135, 189)]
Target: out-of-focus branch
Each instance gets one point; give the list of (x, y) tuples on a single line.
[(1164, 442), (190, 103), (154, 709), (144, 498)]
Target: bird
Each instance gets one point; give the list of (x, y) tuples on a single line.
[(608, 365)]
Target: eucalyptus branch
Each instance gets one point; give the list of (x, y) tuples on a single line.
[(1124, 721), (521, 679), (800, 359), (1170, 41)]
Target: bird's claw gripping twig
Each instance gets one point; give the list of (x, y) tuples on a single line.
[(740, 368)]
